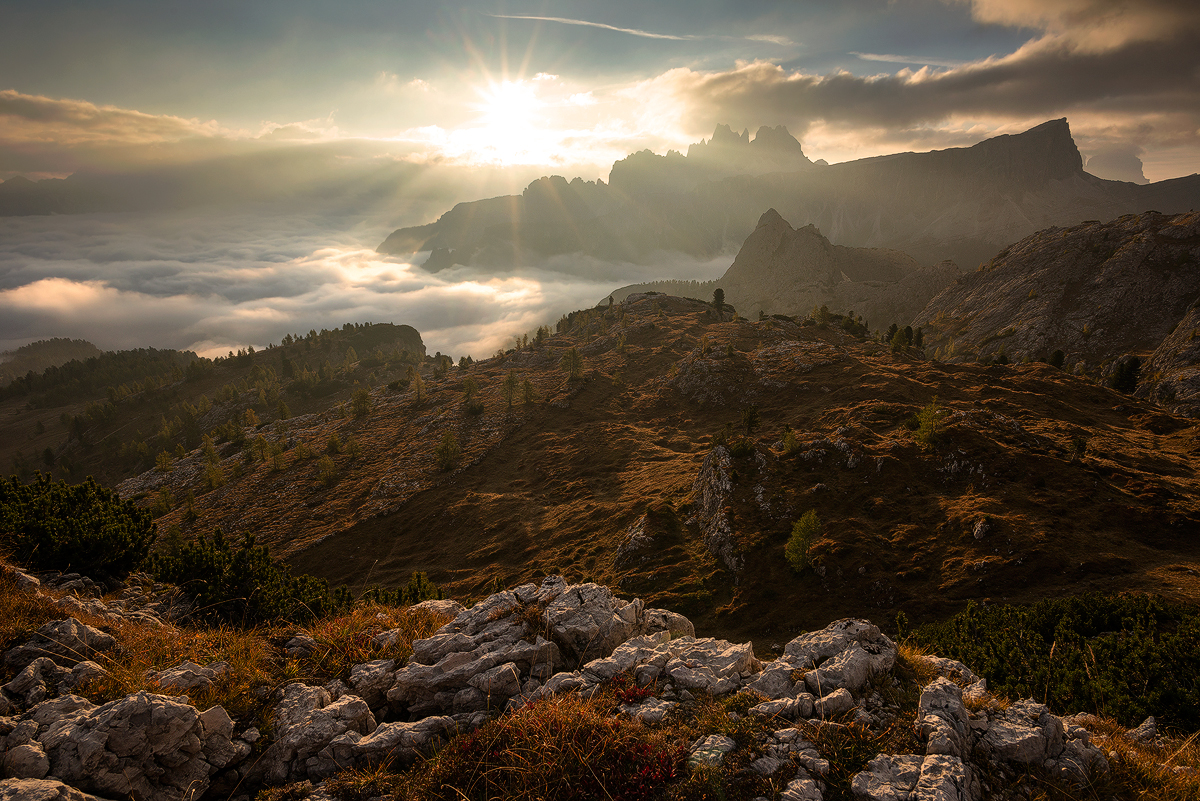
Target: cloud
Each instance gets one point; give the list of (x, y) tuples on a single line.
[(585, 23), (1095, 25), (34, 118), (1141, 84), (217, 281), (933, 62)]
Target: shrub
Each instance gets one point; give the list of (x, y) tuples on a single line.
[(742, 448), (804, 534), (360, 403), (791, 443), (243, 585), (447, 452), (327, 472), (83, 527), (1057, 359), (1124, 657), (333, 445), (1126, 374)]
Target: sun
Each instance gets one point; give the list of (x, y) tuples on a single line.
[(507, 125)]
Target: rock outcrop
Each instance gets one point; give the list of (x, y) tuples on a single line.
[(520, 647), (1098, 292)]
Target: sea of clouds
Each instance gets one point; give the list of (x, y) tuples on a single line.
[(219, 280)]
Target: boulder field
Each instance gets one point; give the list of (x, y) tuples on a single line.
[(514, 648)]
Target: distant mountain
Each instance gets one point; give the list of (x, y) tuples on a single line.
[(961, 204), (782, 270), (37, 356), (1099, 292)]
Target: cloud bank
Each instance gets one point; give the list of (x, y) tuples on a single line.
[(218, 281)]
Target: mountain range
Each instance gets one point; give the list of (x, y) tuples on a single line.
[(959, 204)]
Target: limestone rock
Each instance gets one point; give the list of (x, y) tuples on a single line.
[(188, 676), (145, 745), (41, 790), (1025, 733), (710, 750), (67, 642), (942, 720), (306, 722), (26, 761)]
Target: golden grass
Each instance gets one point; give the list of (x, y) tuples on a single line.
[(1168, 770), (346, 640)]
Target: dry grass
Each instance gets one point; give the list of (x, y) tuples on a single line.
[(346, 640), (568, 748), (1168, 770), (253, 663)]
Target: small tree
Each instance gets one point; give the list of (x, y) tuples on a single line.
[(897, 340), (327, 471), (509, 388), (804, 534), (918, 338), (527, 393), (719, 300), (572, 364), (447, 452), (360, 403), (1057, 359), (417, 384)]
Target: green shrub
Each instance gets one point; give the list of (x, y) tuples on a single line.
[(360, 403), (327, 472), (742, 448), (929, 423), (804, 534), (83, 527), (447, 452), (243, 585), (1123, 657)]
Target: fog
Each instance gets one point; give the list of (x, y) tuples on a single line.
[(221, 279)]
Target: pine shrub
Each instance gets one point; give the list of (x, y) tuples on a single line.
[(83, 527)]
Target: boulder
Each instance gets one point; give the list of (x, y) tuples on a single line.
[(305, 722), (37, 682), (710, 750), (188, 676), (41, 790), (1025, 733), (26, 761), (149, 746), (400, 743), (371, 681), (67, 642), (911, 777), (942, 720)]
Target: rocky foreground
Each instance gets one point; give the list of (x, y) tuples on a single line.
[(512, 649)]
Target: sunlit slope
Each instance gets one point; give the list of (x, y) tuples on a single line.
[(1033, 482)]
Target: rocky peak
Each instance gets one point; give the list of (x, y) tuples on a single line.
[(777, 140), (1044, 152)]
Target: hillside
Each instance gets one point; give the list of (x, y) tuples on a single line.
[(1024, 482), (37, 356), (1102, 293), (113, 415), (959, 204)]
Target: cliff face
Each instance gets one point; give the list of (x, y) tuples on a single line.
[(1097, 291), (960, 204)]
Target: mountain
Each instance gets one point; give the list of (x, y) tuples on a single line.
[(960, 204), (932, 483), (1099, 292), (37, 356), (782, 270)]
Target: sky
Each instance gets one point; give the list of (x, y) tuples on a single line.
[(431, 103)]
